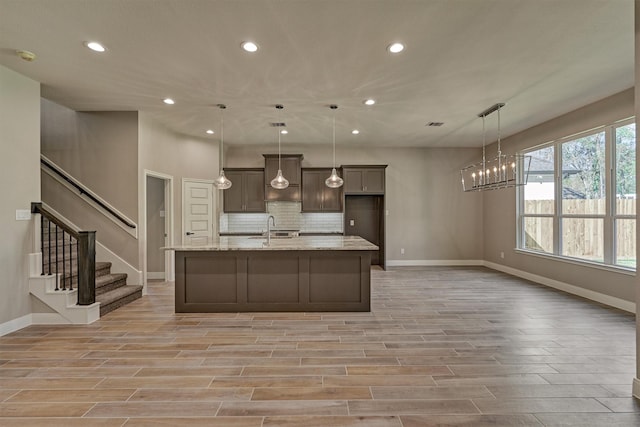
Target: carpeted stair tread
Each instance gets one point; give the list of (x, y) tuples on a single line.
[(118, 297), (109, 282)]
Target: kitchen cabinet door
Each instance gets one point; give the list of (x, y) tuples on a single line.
[(254, 191), (364, 179), (290, 165), (316, 196), (247, 191)]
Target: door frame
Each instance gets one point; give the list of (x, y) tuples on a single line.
[(214, 205), (169, 262)]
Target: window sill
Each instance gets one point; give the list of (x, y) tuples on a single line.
[(612, 268)]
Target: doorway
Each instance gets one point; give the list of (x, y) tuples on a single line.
[(364, 217), (158, 211)]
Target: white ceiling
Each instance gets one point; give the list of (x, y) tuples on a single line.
[(542, 58)]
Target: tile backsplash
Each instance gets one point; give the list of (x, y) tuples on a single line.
[(288, 217)]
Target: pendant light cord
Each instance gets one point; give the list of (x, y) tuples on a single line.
[(484, 140), (279, 107), (334, 108), (334, 138), (499, 152), (222, 108)]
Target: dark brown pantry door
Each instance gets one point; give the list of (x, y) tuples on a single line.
[(362, 218)]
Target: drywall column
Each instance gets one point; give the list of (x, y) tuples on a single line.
[(19, 186), (636, 380)]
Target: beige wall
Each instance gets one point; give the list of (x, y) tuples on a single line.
[(429, 216), (19, 186), (179, 156), (499, 226), (100, 150)]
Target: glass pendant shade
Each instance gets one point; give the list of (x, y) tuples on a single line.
[(279, 182), (222, 182), (334, 181)]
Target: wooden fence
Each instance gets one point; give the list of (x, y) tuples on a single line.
[(582, 237)]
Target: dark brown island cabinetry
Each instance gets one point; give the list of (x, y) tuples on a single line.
[(316, 196), (363, 179), (290, 165), (247, 191)]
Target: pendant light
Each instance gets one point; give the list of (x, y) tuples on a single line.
[(222, 182), (334, 181), (279, 182)]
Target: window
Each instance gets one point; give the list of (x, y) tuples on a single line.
[(572, 207)]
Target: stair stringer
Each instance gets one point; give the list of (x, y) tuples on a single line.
[(62, 302)]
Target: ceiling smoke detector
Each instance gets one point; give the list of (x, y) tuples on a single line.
[(26, 55)]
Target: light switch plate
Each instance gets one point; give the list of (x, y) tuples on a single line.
[(23, 214), (161, 214), (352, 222)]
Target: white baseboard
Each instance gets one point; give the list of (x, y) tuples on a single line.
[(565, 287), (15, 324), (49, 319), (155, 275), (433, 262)]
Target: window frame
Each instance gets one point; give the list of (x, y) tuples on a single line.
[(610, 217)]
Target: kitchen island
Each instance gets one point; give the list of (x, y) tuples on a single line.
[(306, 273)]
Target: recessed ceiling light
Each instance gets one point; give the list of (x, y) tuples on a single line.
[(210, 131), (355, 131), (395, 48), (250, 46), (169, 101), (284, 131), (369, 101), (95, 46)]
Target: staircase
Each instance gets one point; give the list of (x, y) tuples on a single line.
[(59, 255), (112, 291)]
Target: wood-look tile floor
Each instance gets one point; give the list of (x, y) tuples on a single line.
[(441, 346)]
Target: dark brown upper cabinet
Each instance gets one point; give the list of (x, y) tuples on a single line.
[(316, 196), (290, 165), (247, 191), (367, 179)]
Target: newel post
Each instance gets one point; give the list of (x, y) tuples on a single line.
[(86, 267)]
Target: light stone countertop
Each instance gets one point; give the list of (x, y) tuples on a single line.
[(300, 243)]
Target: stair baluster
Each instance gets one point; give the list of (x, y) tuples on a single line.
[(85, 255)]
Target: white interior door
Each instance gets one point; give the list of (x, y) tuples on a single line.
[(197, 202)]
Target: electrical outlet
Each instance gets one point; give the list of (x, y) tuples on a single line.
[(401, 251), (502, 255)]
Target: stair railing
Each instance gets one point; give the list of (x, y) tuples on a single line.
[(60, 245), (94, 200)]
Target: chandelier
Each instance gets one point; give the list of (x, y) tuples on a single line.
[(501, 171)]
